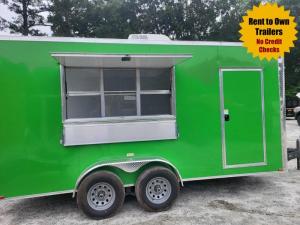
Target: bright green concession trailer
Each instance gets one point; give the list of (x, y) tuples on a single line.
[(100, 117)]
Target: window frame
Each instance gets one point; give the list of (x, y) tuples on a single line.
[(138, 92), (122, 93), (66, 93)]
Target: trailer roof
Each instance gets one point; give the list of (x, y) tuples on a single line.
[(117, 41)]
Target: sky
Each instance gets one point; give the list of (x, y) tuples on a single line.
[(8, 15)]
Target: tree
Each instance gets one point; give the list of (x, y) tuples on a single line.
[(229, 16), (28, 16), (178, 19), (200, 19), (193, 19), (115, 18), (163, 17), (292, 60), (70, 17), (98, 18)]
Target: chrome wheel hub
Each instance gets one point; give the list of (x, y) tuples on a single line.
[(158, 190), (101, 196)]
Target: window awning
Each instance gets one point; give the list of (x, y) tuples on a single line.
[(120, 60)]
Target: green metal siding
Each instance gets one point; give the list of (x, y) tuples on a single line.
[(33, 161)]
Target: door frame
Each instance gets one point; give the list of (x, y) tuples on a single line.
[(224, 160)]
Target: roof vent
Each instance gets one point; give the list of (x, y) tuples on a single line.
[(149, 37)]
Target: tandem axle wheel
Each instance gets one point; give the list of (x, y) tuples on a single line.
[(156, 189), (101, 194)]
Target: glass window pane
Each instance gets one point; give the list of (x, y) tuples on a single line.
[(155, 79), (155, 104), (119, 80), (83, 79), (120, 105), (83, 107)]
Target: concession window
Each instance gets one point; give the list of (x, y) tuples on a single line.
[(117, 97)]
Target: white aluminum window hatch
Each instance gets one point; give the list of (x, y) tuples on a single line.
[(120, 60)]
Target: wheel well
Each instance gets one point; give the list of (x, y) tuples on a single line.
[(163, 164), (109, 168)]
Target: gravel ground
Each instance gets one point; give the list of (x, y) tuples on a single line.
[(265, 199)]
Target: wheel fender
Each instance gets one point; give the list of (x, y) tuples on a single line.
[(126, 165)]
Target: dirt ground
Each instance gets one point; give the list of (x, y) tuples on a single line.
[(265, 199)]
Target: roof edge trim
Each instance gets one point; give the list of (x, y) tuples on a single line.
[(116, 41)]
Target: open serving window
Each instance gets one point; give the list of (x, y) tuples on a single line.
[(117, 98)]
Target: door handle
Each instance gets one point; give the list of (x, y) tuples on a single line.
[(226, 115)]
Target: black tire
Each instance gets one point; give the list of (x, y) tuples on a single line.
[(114, 186), (298, 119), (150, 175)]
